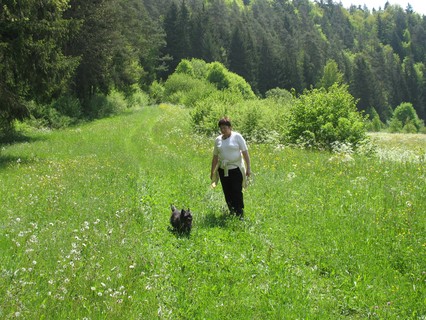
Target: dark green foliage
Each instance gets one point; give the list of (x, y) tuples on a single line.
[(361, 89), (106, 44), (320, 118), (100, 106), (176, 27), (68, 106), (32, 64), (375, 124)]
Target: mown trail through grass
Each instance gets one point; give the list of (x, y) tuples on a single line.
[(85, 215)]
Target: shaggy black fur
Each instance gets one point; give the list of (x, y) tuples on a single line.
[(181, 221)]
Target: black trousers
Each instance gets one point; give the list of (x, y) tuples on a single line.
[(232, 186)]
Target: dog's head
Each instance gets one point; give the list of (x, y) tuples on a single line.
[(186, 218)]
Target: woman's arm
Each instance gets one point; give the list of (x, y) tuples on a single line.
[(246, 157), (214, 164)]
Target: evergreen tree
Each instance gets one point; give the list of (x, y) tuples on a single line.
[(32, 63), (197, 33), (97, 43), (331, 75), (268, 77), (362, 85), (415, 79), (241, 54)]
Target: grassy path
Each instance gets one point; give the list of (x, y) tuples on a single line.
[(84, 216)]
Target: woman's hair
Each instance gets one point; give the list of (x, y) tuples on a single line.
[(225, 121)]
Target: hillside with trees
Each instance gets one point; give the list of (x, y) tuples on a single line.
[(62, 58)]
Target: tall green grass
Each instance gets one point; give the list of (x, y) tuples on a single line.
[(85, 214)]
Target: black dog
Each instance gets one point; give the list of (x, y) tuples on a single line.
[(181, 221)]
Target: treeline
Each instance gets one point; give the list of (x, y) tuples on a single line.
[(287, 44), (63, 57)]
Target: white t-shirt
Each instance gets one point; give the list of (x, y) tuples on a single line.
[(229, 150)]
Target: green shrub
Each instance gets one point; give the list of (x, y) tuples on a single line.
[(263, 121), (185, 67), (178, 85), (101, 106), (217, 75), (196, 68), (116, 103), (375, 124), (326, 116), (207, 112), (395, 125), (137, 98), (156, 92), (406, 114), (195, 80), (198, 93), (46, 116), (224, 79), (69, 106), (410, 127), (279, 94)]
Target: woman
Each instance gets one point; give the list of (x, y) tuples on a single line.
[(230, 149)]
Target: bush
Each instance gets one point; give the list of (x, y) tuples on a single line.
[(156, 92), (137, 98), (207, 112), (375, 124), (407, 116), (195, 80), (68, 105), (263, 121), (196, 68), (181, 88), (101, 106), (279, 94), (185, 67), (395, 125), (224, 79), (46, 116), (410, 127), (326, 116)]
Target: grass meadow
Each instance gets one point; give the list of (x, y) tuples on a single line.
[(84, 219)]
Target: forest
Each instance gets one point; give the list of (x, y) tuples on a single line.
[(61, 58)]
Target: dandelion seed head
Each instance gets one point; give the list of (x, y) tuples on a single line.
[(291, 176)]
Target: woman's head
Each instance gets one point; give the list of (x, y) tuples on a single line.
[(225, 127), (225, 121)]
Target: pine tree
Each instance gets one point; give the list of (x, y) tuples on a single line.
[(32, 63)]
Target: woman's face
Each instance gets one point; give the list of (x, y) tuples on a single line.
[(225, 130)]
